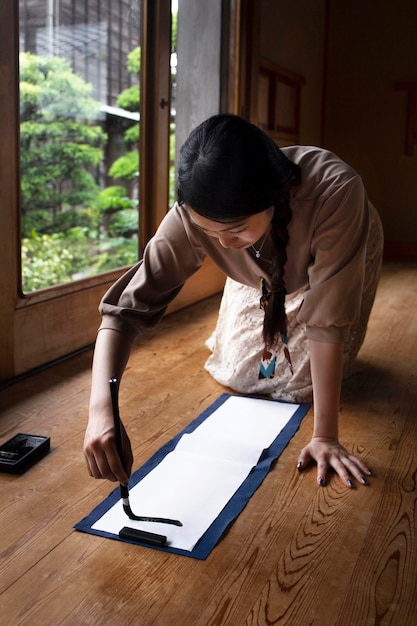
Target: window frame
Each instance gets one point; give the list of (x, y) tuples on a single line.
[(39, 327), (44, 326)]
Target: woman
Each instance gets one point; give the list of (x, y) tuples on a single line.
[(294, 232)]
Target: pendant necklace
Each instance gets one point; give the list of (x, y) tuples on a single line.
[(258, 252)]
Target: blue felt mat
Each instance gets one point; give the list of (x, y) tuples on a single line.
[(235, 505)]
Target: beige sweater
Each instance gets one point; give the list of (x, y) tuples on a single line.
[(326, 255)]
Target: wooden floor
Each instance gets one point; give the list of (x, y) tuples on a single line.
[(298, 554)]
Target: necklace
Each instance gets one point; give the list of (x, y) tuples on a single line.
[(258, 252)]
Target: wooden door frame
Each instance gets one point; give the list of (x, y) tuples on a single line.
[(154, 115), (42, 327), (249, 59), (9, 185)]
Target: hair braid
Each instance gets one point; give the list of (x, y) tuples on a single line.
[(275, 320)]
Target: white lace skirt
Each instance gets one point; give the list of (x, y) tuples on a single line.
[(237, 343)]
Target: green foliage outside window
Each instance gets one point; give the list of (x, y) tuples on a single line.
[(58, 142), (71, 228), (127, 166)]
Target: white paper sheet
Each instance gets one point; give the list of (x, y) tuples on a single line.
[(194, 482)]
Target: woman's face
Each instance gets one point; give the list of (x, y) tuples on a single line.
[(236, 235)]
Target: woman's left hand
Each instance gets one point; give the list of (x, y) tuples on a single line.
[(328, 453)]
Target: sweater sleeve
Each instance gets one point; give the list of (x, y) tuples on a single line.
[(333, 298), (138, 300)]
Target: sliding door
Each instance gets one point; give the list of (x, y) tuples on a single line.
[(96, 98), (71, 86)]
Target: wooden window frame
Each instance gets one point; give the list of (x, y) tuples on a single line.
[(42, 327)]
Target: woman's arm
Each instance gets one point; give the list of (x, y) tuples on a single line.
[(111, 354), (326, 362)]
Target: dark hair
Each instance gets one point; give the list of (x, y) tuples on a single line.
[(229, 168)]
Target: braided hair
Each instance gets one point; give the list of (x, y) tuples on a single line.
[(229, 169)]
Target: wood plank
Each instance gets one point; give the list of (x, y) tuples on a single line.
[(382, 587), (317, 566), (320, 562), (46, 330), (297, 554)]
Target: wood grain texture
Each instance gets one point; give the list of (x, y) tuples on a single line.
[(296, 555)]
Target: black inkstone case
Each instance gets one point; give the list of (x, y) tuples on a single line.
[(21, 451)]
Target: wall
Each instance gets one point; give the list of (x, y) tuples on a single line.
[(292, 35), (352, 106), (370, 49)]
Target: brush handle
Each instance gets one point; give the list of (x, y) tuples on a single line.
[(114, 391)]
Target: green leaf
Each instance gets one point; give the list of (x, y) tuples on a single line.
[(126, 166)]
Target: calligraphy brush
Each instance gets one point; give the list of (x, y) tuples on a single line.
[(124, 489)]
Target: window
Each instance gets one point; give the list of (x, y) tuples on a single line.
[(91, 41), (79, 130), (39, 325)]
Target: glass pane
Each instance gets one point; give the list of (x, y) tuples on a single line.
[(79, 107)]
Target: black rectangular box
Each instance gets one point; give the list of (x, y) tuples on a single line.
[(22, 451)]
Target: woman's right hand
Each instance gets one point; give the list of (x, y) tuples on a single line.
[(100, 450)]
